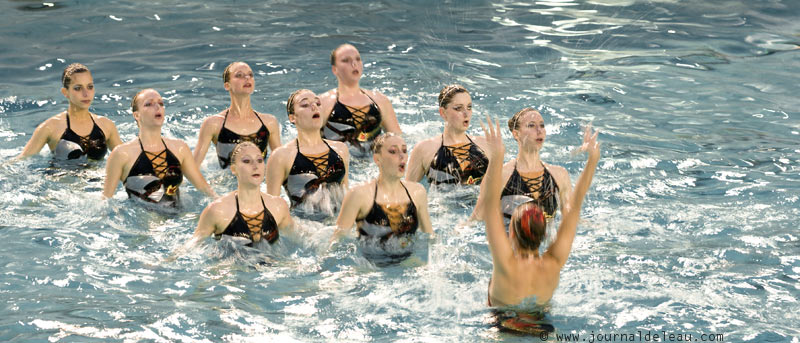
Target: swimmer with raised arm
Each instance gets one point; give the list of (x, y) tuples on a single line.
[(387, 210), (152, 167), (354, 115), (526, 177), (239, 122), (519, 271), (76, 132), (453, 157), (246, 214), (309, 164)]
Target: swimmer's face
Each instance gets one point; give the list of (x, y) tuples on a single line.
[(80, 92), (530, 129), (348, 65), (241, 79), (249, 165), (306, 111), (151, 109), (458, 112), (392, 156)]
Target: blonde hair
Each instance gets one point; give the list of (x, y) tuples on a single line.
[(135, 99), (238, 149), (290, 102), (226, 74), (379, 141)]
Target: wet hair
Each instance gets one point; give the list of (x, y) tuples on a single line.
[(238, 149), (290, 102), (333, 53), (529, 225), (513, 123), (226, 74), (377, 144), (448, 92), (135, 99), (66, 76)]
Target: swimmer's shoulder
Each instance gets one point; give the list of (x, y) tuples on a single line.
[(559, 173), (339, 147), (417, 191)]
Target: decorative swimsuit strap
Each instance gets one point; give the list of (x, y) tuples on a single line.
[(408, 194), (159, 167), (320, 162), (225, 117), (253, 223)]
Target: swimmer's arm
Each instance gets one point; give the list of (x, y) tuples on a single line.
[(351, 208), (499, 245), (416, 167), (276, 171), (285, 221), (564, 187), (344, 152), (423, 215), (328, 100), (274, 131), (114, 169), (477, 213), (192, 172), (389, 117), (560, 249), (40, 137), (203, 141), (206, 226), (110, 130)]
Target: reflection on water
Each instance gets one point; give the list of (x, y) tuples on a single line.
[(690, 221)]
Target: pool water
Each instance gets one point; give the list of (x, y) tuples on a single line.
[(690, 226)]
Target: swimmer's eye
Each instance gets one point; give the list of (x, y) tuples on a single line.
[(405, 150), (392, 151), (90, 87), (246, 160), (260, 160), (319, 103)]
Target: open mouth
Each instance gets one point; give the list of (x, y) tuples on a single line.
[(402, 167), (247, 85), (159, 115), (466, 122), (256, 175), (315, 116)]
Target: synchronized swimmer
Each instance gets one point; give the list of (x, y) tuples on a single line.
[(313, 170)]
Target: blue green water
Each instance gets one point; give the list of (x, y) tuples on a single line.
[(690, 227)]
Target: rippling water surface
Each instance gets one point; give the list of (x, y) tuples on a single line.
[(690, 227)]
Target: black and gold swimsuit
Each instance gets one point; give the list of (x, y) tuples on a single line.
[(464, 164), (155, 177), (357, 126)]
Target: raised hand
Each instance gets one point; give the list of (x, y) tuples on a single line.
[(494, 139), (590, 143)]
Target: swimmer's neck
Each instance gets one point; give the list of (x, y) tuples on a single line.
[(453, 136), (248, 194), (345, 89), (526, 253), (150, 138), (77, 112), (309, 138), (240, 105), (528, 160), (389, 184)]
